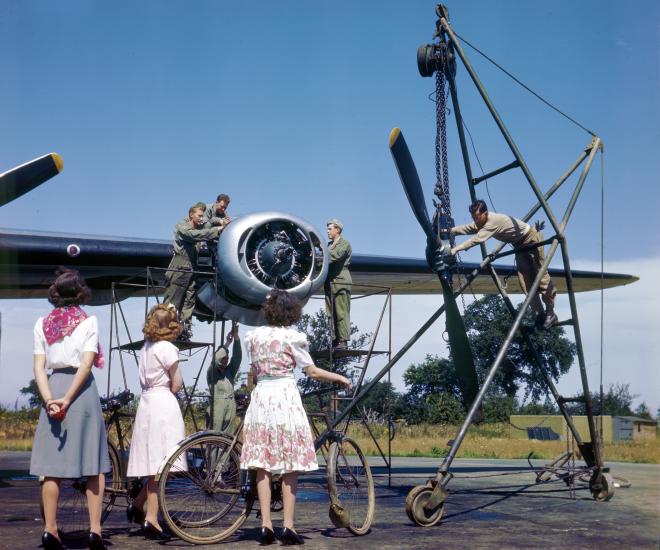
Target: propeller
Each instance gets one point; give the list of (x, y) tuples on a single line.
[(458, 340), (24, 178)]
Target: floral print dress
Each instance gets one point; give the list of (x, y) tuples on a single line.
[(276, 433)]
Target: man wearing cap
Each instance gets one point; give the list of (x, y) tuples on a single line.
[(221, 376), (338, 285), (180, 279), (215, 213)]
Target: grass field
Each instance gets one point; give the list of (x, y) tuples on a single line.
[(492, 441), (484, 441)]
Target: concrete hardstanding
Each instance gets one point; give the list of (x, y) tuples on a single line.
[(501, 511)]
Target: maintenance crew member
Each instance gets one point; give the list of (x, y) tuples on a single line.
[(519, 234), (216, 212), (179, 279), (338, 285), (222, 376)]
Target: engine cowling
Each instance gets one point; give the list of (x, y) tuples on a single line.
[(261, 251)]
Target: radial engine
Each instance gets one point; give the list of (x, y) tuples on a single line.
[(261, 251)]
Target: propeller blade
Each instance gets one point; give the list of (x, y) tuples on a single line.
[(24, 178), (410, 180), (460, 347), (458, 340)]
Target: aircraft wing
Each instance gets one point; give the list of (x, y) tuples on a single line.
[(28, 260), (413, 276)]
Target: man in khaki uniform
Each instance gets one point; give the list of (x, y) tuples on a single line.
[(338, 285), (519, 234), (180, 281), (216, 213), (222, 376)]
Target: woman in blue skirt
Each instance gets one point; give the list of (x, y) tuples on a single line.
[(70, 440)]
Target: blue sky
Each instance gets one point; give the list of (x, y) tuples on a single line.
[(288, 106)]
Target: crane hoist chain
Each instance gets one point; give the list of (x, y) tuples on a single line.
[(442, 220)]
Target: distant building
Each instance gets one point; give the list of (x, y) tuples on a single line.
[(549, 427)]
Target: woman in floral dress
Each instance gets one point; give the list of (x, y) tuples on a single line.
[(277, 438)]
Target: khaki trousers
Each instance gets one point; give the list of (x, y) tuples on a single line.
[(224, 412), (180, 288), (529, 264), (338, 306)]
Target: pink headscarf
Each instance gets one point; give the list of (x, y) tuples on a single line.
[(61, 322)]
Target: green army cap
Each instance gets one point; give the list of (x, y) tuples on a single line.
[(335, 221)]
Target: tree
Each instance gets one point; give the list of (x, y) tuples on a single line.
[(643, 411), (381, 399), (487, 322), (318, 335), (32, 391), (617, 401), (432, 393), (535, 407)]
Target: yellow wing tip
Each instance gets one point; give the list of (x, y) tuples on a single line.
[(394, 134), (59, 163)]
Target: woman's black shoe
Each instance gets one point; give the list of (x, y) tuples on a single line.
[(153, 533), (266, 536), (50, 542), (288, 537), (135, 514), (95, 542)]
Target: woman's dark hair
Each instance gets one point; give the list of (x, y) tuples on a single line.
[(478, 207), (68, 289), (282, 309)]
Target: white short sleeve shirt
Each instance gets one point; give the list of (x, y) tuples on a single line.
[(68, 351)]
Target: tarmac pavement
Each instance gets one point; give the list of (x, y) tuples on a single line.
[(492, 504)]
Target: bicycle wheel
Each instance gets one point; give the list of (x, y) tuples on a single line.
[(72, 514), (351, 486), (203, 494)]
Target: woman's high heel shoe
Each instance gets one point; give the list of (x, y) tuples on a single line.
[(153, 533), (51, 542), (95, 542), (135, 514), (266, 536), (288, 537)]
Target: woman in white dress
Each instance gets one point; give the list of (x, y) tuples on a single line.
[(277, 438), (70, 440), (158, 425)]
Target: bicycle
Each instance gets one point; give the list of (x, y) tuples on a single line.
[(72, 515), (209, 501)]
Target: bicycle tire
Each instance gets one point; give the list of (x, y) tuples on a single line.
[(72, 514), (351, 485), (209, 501)]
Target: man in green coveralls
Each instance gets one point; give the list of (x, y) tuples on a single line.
[(338, 285), (222, 376), (180, 282)]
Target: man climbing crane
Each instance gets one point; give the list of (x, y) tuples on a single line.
[(511, 230)]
